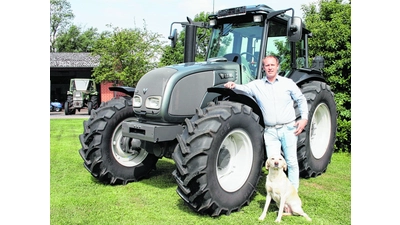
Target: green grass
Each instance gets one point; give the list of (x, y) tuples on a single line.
[(77, 198)]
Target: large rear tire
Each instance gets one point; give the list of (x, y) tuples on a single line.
[(315, 144), (219, 158), (106, 153)]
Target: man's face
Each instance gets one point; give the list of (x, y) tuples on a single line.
[(270, 66)]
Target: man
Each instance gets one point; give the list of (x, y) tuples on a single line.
[(275, 95)]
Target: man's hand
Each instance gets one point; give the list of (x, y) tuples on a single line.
[(230, 85), (301, 124)]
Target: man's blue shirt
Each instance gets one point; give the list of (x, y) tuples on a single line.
[(276, 99)]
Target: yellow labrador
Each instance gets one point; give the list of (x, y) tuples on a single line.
[(281, 190)]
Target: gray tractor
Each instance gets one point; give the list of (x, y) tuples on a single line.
[(213, 134), (82, 93)]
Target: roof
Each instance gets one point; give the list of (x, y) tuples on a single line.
[(74, 60)]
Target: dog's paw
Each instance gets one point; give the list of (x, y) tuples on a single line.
[(277, 220), (262, 217)]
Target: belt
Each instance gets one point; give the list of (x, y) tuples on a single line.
[(277, 126)]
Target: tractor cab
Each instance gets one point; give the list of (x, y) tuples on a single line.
[(248, 33)]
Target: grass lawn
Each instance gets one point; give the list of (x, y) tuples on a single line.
[(77, 198)]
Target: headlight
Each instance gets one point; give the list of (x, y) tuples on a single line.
[(137, 101), (257, 18), (153, 102), (213, 22)]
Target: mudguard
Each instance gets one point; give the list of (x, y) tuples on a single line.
[(235, 95)]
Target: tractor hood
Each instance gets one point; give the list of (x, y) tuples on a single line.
[(171, 93)]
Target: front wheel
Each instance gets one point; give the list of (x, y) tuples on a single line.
[(219, 158), (108, 155), (315, 144), (66, 108)]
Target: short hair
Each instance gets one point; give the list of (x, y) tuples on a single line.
[(272, 56)]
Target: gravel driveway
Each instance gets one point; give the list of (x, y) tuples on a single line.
[(61, 115)]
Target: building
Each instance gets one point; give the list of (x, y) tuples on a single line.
[(65, 66)]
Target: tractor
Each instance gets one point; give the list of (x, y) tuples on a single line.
[(213, 134), (82, 93)]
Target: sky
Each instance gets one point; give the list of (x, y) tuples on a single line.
[(158, 14)]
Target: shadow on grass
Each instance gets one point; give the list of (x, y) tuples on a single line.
[(161, 177)]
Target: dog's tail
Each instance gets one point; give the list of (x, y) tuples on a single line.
[(306, 216)]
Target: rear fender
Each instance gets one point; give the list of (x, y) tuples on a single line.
[(234, 95), (305, 75)]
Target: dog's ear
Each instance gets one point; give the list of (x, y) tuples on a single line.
[(267, 164)]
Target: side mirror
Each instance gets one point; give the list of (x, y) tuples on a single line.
[(173, 38), (294, 29)]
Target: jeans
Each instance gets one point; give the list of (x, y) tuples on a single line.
[(284, 137)]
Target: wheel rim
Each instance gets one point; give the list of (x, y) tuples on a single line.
[(125, 158), (320, 126), (234, 161)]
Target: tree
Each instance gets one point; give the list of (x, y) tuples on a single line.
[(126, 55), (175, 55), (74, 40), (88, 39), (60, 16), (203, 37), (330, 23)]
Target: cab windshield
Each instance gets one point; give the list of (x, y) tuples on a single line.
[(239, 43)]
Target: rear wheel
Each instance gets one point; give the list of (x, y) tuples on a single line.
[(316, 143), (219, 158), (108, 155), (90, 106), (95, 101)]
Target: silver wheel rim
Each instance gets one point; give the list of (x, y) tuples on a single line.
[(234, 161), (124, 158), (320, 127)]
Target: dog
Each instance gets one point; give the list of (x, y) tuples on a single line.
[(281, 190)]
